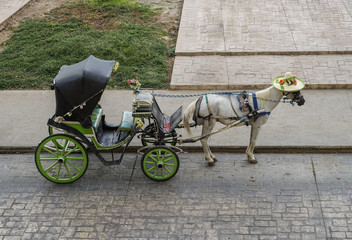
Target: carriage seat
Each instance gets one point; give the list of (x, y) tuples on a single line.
[(142, 105), (108, 134)]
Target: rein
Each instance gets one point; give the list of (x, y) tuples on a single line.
[(237, 93)]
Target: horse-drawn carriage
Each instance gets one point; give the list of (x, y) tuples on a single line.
[(79, 122)]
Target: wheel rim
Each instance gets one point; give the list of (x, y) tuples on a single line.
[(160, 163), (61, 159)]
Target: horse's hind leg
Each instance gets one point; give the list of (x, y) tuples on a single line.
[(249, 151), (207, 128)]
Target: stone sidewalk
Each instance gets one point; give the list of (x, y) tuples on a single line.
[(224, 44), (282, 197), (324, 121)]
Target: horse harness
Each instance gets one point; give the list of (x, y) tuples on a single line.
[(243, 105)]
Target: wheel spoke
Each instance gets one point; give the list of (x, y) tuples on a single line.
[(162, 172), (49, 151), (58, 172), (170, 164), (48, 159), (68, 172), (148, 170), (72, 165), (162, 159), (155, 172), (149, 162), (167, 169), (56, 146), (65, 146), (50, 167), (152, 158), (72, 150), (168, 159), (75, 158)]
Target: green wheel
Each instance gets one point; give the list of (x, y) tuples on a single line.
[(160, 163), (61, 158)]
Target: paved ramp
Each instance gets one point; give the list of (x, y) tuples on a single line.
[(224, 44), (9, 7)]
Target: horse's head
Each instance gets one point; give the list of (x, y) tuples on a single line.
[(296, 97), (290, 86)]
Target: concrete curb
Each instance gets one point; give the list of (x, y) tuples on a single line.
[(217, 149), (288, 53)]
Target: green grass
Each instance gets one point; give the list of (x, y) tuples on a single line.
[(38, 48)]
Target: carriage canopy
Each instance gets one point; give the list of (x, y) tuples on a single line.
[(81, 84)]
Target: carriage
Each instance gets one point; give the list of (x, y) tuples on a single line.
[(79, 125), (79, 122)]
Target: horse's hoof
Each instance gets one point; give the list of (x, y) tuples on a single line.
[(253, 161), (211, 163), (215, 160)]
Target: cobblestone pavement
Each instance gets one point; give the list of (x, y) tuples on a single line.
[(226, 44), (282, 197)]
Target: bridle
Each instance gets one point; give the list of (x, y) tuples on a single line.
[(297, 96)]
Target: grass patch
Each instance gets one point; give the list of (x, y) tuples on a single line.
[(108, 29)]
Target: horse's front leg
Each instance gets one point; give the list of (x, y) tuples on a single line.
[(208, 155), (249, 151)]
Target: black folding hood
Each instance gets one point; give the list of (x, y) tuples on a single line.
[(83, 82)]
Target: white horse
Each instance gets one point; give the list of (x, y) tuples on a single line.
[(226, 109)]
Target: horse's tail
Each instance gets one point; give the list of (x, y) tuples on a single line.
[(187, 116)]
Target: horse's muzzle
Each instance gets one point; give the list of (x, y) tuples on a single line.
[(301, 101)]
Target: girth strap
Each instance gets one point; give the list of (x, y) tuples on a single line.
[(255, 105)]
